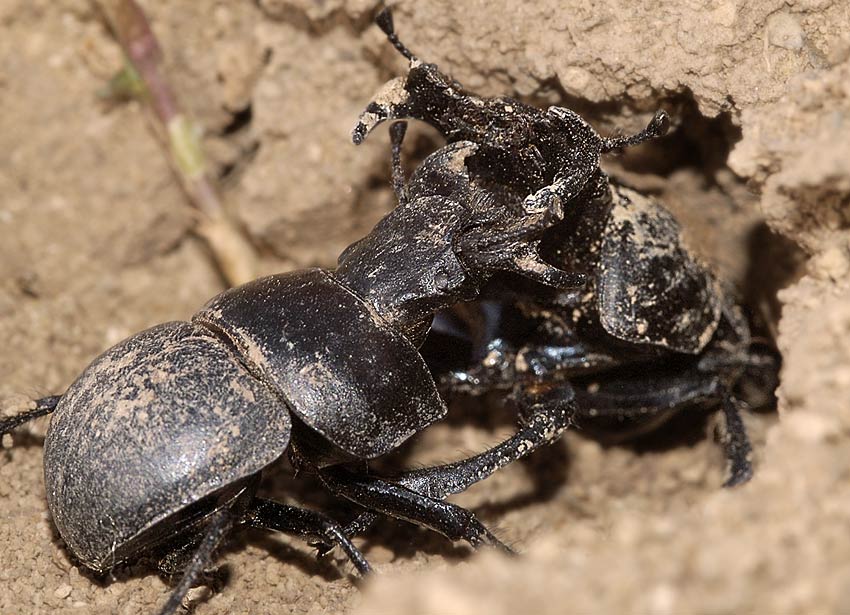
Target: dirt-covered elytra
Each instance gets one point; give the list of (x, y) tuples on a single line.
[(652, 332), (156, 450)]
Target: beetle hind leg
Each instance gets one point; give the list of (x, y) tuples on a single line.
[(271, 515), (261, 514), (220, 525), (544, 415)]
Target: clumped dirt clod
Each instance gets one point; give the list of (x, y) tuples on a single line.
[(95, 244)]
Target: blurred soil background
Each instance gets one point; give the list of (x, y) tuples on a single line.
[(96, 243)]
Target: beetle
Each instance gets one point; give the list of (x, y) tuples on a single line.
[(155, 451), (651, 333), (544, 159)]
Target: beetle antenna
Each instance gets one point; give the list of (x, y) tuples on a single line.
[(43, 406), (385, 23), (217, 530), (658, 127)]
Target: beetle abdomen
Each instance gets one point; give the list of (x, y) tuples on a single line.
[(155, 423)]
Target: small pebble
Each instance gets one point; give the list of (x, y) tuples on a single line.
[(783, 30), (63, 591)]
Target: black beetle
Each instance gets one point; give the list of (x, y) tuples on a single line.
[(651, 326), (651, 334), (546, 158), (157, 447)]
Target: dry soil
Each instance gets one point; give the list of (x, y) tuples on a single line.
[(96, 243)]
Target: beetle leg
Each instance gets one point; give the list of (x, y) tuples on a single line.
[(395, 500), (359, 525), (397, 130), (544, 415), (502, 367), (220, 525), (649, 403), (510, 245), (495, 370), (270, 515), (736, 443), (43, 406)]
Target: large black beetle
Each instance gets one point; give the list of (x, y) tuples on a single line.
[(541, 156), (651, 333), (156, 449)]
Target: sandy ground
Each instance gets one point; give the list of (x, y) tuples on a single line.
[(96, 243)]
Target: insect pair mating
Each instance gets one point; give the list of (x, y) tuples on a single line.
[(157, 449)]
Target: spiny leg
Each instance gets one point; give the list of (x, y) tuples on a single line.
[(497, 364), (635, 397), (397, 131), (736, 443), (545, 414), (43, 406), (659, 398), (220, 525), (271, 515), (495, 370), (643, 403), (374, 494)]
